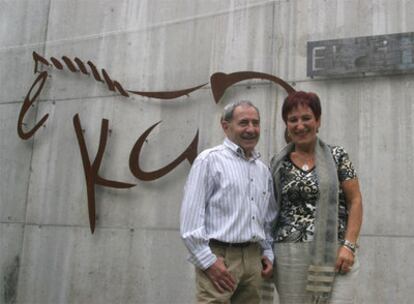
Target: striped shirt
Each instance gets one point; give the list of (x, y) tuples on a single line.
[(228, 198)]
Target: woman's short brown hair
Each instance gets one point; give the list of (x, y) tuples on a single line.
[(295, 99)]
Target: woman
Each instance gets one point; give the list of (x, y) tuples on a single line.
[(320, 211)]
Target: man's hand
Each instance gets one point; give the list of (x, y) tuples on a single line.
[(220, 276), (267, 271), (344, 260)]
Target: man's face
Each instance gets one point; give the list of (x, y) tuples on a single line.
[(244, 128)]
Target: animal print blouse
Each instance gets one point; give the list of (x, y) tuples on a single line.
[(300, 191)]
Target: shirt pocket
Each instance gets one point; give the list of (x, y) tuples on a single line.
[(264, 191)]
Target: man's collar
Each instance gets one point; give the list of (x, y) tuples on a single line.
[(238, 150)]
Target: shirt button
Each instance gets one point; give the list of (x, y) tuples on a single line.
[(253, 217), (251, 179), (252, 198)]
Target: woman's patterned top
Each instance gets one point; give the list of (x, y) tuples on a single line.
[(300, 191)]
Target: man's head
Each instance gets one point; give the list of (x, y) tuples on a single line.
[(241, 123)]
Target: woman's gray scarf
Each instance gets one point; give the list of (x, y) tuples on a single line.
[(321, 272)]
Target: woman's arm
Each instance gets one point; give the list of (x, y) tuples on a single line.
[(353, 199)]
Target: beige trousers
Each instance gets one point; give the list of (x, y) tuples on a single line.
[(245, 265)]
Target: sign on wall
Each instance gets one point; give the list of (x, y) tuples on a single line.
[(372, 54)]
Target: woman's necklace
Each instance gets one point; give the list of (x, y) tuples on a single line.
[(305, 167), (305, 161)]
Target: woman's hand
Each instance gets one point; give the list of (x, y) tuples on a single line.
[(344, 260)]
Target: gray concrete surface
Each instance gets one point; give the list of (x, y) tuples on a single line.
[(48, 254)]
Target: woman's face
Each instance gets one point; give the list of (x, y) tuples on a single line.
[(302, 125)]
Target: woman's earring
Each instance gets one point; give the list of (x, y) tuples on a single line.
[(287, 136)]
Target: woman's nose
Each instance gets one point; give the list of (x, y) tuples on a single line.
[(300, 125)]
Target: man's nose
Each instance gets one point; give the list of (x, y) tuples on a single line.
[(251, 127)]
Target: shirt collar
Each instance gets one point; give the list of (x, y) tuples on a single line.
[(239, 151)]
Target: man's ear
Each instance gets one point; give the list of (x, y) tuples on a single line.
[(224, 125)]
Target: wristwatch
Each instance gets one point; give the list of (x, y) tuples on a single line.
[(349, 245)]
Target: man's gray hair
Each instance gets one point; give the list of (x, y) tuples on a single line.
[(229, 109)]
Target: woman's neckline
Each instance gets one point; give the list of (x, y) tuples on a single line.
[(300, 168)]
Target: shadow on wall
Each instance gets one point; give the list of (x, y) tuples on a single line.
[(10, 281)]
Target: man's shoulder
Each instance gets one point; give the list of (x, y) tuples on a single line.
[(211, 152), (261, 164)]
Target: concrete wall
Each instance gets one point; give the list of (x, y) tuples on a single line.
[(48, 254)]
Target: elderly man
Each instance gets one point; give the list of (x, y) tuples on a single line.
[(227, 210)]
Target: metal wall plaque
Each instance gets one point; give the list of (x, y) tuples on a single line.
[(372, 54)]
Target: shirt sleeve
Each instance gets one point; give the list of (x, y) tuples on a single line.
[(269, 223), (346, 169), (192, 215)]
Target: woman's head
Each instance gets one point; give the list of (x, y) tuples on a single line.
[(298, 98), (301, 112)]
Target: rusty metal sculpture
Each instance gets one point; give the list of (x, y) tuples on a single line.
[(219, 83), (26, 106), (91, 170), (190, 153)]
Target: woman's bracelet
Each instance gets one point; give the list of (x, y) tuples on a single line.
[(349, 249), (350, 246)]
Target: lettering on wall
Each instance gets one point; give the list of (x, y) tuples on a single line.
[(372, 54), (219, 83)]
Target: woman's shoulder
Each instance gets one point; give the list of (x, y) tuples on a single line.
[(336, 149), (278, 160), (346, 169), (282, 155), (338, 152)]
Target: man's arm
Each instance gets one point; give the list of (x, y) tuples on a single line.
[(196, 193), (269, 222), (192, 216)]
